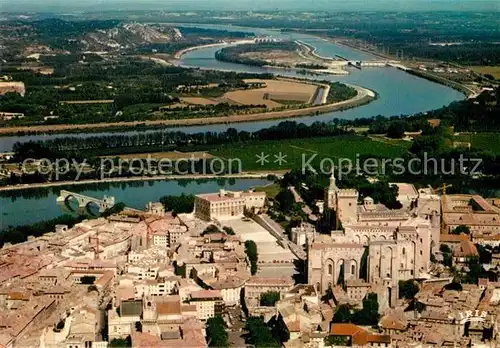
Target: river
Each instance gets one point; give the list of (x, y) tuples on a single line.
[(399, 93), (32, 205)]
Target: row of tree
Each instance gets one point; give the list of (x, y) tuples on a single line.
[(251, 251)]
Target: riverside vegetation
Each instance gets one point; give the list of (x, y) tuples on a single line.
[(334, 140)]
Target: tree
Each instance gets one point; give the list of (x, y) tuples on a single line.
[(279, 329), (269, 298), (121, 342), (454, 285), (229, 230), (461, 229), (216, 332), (447, 258), (408, 289), (342, 314), (88, 280), (180, 270), (259, 334), (476, 270), (396, 130), (484, 254), (178, 204), (369, 314), (138, 326), (332, 340), (117, 208), (285, 200), (251, 251), (210, 230)]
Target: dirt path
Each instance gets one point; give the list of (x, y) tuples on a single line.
[(364, 96)]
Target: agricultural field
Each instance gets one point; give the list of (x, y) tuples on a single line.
[(274, 94), (295, 150), (274, 90), (274, 57), (483, 141), (490, 70)]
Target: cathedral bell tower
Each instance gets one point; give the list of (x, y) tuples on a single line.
[(331, 193)]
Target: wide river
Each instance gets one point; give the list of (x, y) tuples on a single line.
[(399, 93), (33, 205)]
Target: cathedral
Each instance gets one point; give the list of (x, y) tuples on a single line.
[(377, 247)]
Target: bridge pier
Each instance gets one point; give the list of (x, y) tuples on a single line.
[(83, 201)]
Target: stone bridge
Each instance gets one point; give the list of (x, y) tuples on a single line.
[(84, 201)]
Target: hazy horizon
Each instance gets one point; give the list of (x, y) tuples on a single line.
[(249, 5)]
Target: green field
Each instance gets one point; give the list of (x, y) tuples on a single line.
[(271, 190), (298, 151), (492, 70), (484, 141)]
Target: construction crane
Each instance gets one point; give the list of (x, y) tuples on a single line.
[(442, 189)]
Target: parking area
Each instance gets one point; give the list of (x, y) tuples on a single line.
[(272, 255)]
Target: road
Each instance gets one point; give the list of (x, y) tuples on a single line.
[(278, 230)]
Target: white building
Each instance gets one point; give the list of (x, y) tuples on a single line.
[(227, 204), (208, 303)]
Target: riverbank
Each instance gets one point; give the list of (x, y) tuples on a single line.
[(364, 96), (178, 55), (422, 74), (245, 175)]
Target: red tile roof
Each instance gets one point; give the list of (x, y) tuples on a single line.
[(359, 336)]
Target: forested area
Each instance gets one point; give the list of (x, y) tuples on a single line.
[(19, 234), (339, 92), (135, 89)]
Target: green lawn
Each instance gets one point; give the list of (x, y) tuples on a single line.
[(483, 141), (271, 190), (298, 151)]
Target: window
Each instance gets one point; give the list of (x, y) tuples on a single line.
[(404, 251), (330, 269), (353, 269), (421, 252)]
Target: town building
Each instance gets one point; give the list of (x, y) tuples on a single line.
[(378, 245), (481, 216), (256, 286), (356, 336), (227, 204), (208, 303)]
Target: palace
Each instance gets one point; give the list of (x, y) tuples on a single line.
[(227, 204), (377, 245)]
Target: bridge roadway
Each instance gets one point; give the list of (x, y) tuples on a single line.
[(375, 63), (84, 201)]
